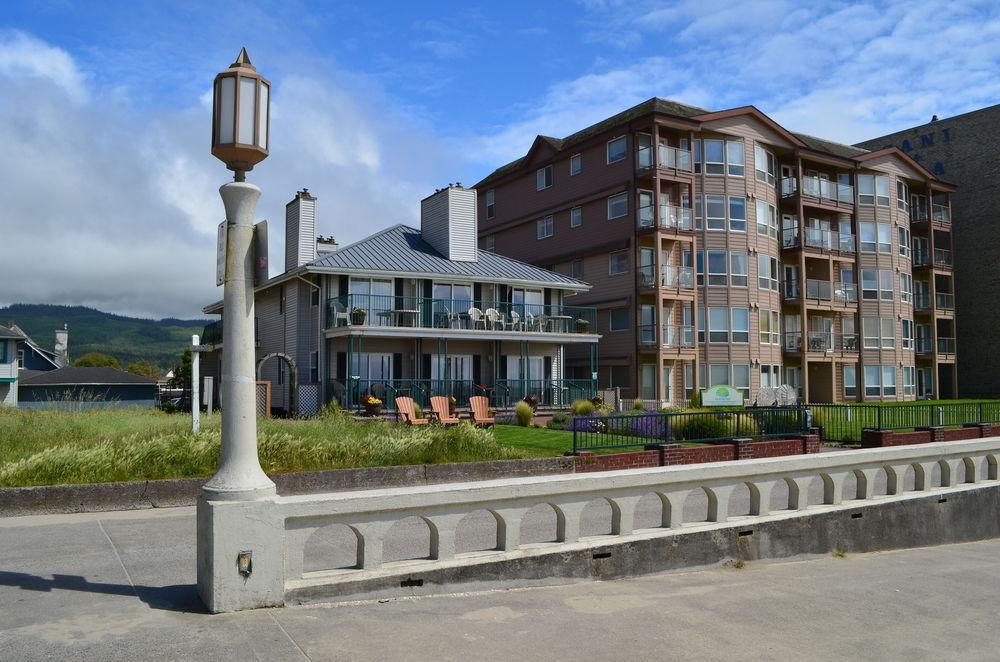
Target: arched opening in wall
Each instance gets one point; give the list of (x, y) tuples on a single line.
[(962, 473), (596, 518), (990, 468), (880, 483), (910, 479), (651, 512), (477, 532), (696, 506), (779, 495), (815, 492), (332, 547), (935, 478), (739, 500), (409, 538), (540, 524), (849, 491)]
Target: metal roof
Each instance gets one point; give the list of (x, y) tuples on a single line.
[(8, 334), (402, 250)]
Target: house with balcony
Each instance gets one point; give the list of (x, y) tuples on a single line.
[(416, 312), (9, 340)]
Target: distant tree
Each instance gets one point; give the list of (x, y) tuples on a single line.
[(182, 371), (97, 360), (143, 369)]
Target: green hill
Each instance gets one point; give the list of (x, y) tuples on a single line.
[(126, 338)]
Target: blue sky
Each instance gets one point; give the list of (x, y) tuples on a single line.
[(104, 116)]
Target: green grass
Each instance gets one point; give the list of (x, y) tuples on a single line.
[(537, 442), (837, 427), (50, 447)]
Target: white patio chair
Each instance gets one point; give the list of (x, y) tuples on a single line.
[(476, 317), (493, 318), (340, 313), (515, 321)]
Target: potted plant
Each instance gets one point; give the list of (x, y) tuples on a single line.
[(358, 315), (582, 326), (373, 406)]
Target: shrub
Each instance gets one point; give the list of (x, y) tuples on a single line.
[(706, 424), (418, 411), (696, 398), (583, 407), (524, 413), (638, 405), (597, 401), (559, 421)]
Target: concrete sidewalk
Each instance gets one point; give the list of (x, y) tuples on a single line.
[(120, 586)]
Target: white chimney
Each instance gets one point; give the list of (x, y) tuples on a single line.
[(62, 346), (300, 230), (448, 222)]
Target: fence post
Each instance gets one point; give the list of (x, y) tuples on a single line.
[(666, 427), (980, 413), (878, 417), (574, 436)]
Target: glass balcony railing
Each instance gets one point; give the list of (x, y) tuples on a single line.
[(828, 240), (673, 157), (941, 213), (671, 217), (678, 277), (944, 300), (923, 345), (371, 310), (820, 341), (791, 289), (816, 187), (945, 345), (922, 301), (942, 257), (675, 335)]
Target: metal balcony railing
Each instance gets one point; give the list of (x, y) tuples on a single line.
[(671, 217), (942, 257), (791, 289)]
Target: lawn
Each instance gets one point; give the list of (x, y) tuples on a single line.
[(536, 442)]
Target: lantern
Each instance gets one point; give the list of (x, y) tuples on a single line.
[(241, 116)]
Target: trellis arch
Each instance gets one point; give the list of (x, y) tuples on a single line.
[(293, 380)]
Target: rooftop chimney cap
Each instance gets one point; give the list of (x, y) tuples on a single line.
[(934, 119)]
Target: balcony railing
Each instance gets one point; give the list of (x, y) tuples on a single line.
[(922, 301), (923, 345), (376, 310), (823, 290), (944, 300), (821, 189), (792, 290), (942, 258), (671, 217), (677, 277), (671, 335), (945, 345), (673, 157), (827, 240), (941, 213), (820, 341)]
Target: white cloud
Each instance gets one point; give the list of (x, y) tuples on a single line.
[(113, 206)]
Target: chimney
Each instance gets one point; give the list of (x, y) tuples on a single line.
[(62, 346), (448, 222), (300, 230), (325, 245)]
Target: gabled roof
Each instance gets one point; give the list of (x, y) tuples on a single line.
[(71, 376), (48, 355), (10, 334), (906, 158), (830, 147), (401, 250), (755, 112)]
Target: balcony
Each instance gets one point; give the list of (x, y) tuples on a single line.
[(823, 291), (823, 191), (681, 278), (667, 158), (823, 240), (671, 218), (945, 345), (940, 214), (942, 258), (944, 301), (372, 311), (820, 341), (923, 345), (922, 301)]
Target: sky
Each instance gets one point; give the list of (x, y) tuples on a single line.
[(109, 192)]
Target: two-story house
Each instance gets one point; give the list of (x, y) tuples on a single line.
[(9, 340), (417, 312)]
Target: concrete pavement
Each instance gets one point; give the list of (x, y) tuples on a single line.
[(120, 586)]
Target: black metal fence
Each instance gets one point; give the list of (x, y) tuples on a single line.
[(640, 429), (844, 422)]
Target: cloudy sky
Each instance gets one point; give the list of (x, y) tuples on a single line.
[(108, 191)]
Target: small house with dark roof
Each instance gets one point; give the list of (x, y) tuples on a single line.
[(9, 340), (85, 388), (416, 312)]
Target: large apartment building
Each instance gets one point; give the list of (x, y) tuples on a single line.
[(724, 249), (958, 148)]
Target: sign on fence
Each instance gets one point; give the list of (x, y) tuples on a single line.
[(721, 396)]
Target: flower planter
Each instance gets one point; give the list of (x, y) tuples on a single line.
[(358, 317), (582, 326)]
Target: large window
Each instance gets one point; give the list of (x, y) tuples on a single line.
[(576, 217), (767, 219), (765, 165), (490, 204), (905, 288), (770, 334), (741, 380), (544, 229), (850, 381), (880, 380), (618, 262), (575, 164), (909, 380), (617, 205), (884, 232), (906, 332), (741, 325), (619, 319), (718, 325), (904, 242), (715, 212), (715, 158), (869, 238), (902, 196), (866, 189), (737, 213), (882, 190), (735, 160), (876, 284), (617, 149), (717, 268), (767, 272), (878, 332), (738, 269), (543, 177)]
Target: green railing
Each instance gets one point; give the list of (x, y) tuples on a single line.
[(373, 310), (502, 393)]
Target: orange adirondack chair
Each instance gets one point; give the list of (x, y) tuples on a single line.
[(440, 404), (404, 405), (480, 406)]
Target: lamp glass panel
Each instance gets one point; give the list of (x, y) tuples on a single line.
[(262, 116), (248, 106), (225, 107)]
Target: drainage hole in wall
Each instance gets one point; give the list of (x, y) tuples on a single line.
[(943, 500), (411, 582), (856, 515), (602, 555), (744, 534)]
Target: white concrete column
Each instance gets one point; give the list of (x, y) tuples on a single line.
[(949, 472), (509, 528), (895, 474), (833, 487), (991, 473), (370, 538), (924, 471), (798, 492), (239, 475), (623, 519), (443, 532), (568, 520), (718, 502), (673, 507), (866, 482)]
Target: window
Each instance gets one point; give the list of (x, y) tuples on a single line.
[(909, 380), (869, 242), (699, 214), (770, 376), (717, 267), (850, 381), (688, 380), (767, 219), (700, 268), (866, 191), (576, 269), (544, 227), (617, 149), (904, 242), (491, 210), (619, 319), (718, 325), (576, 217), (715, 160), (888, 380), (882, 190), (737, 213), (767, 272), (575, 164), (543, 177), (617, 205), (878, 332), (769, 332), (873, 380), (906, 331), (885, 284), (618, 263), (764, 165), (718, 375), (715, 212), (884, 231), (741, 380), (869, 284), (697, 156), (490, 243), (741, 325), (905, 288), (735, 161), (902, 196), (793, 377), (738, 269)]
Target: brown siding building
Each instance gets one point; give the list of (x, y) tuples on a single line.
[(724, 249)]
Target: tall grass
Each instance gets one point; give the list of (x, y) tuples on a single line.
[(52, 447)]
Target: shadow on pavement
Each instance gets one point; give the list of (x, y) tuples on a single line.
[(179, 597)]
